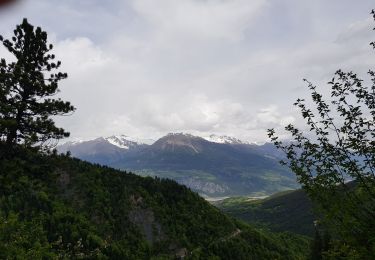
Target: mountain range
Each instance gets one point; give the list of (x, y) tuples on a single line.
[(214, 166)]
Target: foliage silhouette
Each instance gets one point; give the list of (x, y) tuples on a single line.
[(27, 86), (339, 147)]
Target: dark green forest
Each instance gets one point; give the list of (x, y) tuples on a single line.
[(54, 206)]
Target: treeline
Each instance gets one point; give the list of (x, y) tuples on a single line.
[(53, 206)]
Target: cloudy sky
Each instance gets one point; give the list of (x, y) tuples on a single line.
[(148, 67)]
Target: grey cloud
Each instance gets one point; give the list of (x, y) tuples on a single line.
[(145, 68)]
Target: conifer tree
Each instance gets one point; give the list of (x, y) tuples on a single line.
[(27, 87)]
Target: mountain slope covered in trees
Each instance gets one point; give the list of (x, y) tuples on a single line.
[(56, 206), (285, 211)]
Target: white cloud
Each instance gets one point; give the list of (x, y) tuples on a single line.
[(145, 68), (220, 19)]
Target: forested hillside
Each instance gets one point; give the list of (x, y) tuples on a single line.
[(285, 211), (55, 206)]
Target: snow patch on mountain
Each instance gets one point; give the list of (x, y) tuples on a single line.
[(118, 141), (224, 139), (126, 142)]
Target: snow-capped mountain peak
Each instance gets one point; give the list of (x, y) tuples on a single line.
[(119, 141), (125, 142), (224, 139)]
